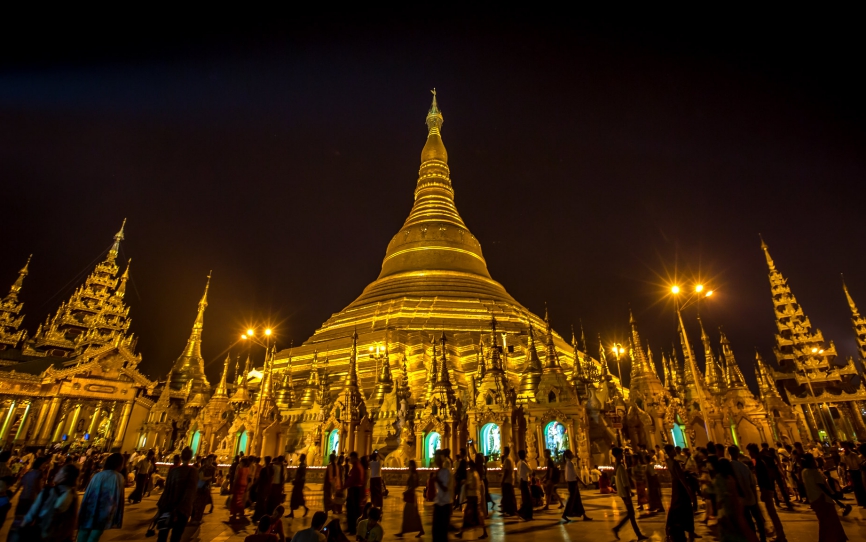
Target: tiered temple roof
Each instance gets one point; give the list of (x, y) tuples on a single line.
[(11, 336)]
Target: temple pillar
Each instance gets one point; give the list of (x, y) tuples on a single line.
[(7, 421), (25, 423), (352, 436), (94, 420), (44, 407), (532, 442), (472, 428), (50, 421), (76, 415), (121, 426), (419, 449), (505, 431)]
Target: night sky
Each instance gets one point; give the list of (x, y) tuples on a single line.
[(595, 163)]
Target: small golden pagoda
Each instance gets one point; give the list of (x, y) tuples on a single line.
[(11, 336)]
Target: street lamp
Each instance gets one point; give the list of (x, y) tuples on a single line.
[(682, 302)]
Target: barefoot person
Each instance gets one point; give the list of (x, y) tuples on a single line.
[(623, 490), (574, 505), (411, 518), (298, 500)]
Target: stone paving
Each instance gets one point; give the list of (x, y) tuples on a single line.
[(606, 510)]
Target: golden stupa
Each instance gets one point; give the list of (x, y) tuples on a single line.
[(434, 279)]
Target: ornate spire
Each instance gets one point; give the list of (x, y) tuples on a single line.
[(189, 367), (577, 369), (434, 235), (312, 387), (222, 388), (733, 375), (10, 313), (444, 376), (95, 315), (287, 392), (385, 382), (115, 247), (551, 358), (859, 323), (715, 378), (643, 369), (798, 347), (602, 357), (530, 377), (121, 289), (352, 373), (766, 384)]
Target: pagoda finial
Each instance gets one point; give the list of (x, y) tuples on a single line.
[(733, 375), (118, 237), (121, 288), (434, 116), (770, 263), (602, 357), (444, 377), (851, 304), (222, 388), (352, 375), (551, 360), (19, 282)]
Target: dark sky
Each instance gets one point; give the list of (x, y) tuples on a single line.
[(592, 161)]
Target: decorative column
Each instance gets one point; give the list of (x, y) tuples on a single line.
[(419, 448), (352, 434), (95, 419), (25, 422), (121, 427), (40, 421), (50, 421), (7, 421), (76, 414)]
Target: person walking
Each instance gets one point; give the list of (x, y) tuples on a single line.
[(551, 478), (481, 468), (472, 514), (331, 484), (355, 489), (821, 500), (239, 490), (459, 478), (443, 501), (766, 485), (298, 500), (263, 490), (654, 486), (574, 505), (52, 516), (175, 503), (376, 485), (278, 481), (524, 474), (203, 496), (508, 503), (748, 493), (102, 504), (411, 518), (730, 510), (623, 490), (142, 475), (681, 518), (854, 464)]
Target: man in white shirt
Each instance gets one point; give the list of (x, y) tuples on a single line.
[(748, 492), (623, 490), (376, 485), (444, 499), (524, 474), (574, 505)]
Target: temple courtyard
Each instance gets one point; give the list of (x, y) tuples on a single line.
[(606, 511)]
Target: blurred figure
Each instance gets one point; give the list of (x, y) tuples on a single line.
[(54, 511), (102, 505), (623, 490), (574, 505), (239, 490), (821, 501), (508, 503), (411, 518), (298, 500), (176, 502)]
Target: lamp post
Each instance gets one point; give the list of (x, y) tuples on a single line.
[(618, 350), (698, 294), (258, 440)]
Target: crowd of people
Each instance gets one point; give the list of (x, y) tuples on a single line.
[(736, 492), (63, 497)]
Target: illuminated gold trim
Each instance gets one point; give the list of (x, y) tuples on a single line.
[(414, 249)]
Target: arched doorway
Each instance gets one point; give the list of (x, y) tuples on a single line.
[(432, 443), (491, 441), (242, 442), (556, 438), (333, 443), (678, 433), (195, 442)]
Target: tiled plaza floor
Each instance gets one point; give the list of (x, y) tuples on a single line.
[(606, 510)]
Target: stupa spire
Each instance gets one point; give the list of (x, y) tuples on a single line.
[(530, 377), (733, 374), (222, 387), (352, 374), (124, 278), (858, 322), (551, 358), (10, 312), (714, 377), (190, 365), (115, 247)]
